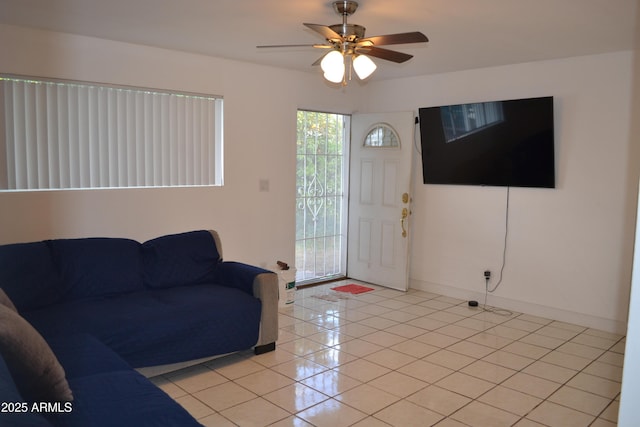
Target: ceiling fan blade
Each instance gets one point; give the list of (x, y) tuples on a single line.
[(400, 38), (318, 61), (386, 54), (319, 46), (325, 31)]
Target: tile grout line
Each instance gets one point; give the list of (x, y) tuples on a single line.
[(521, 370), (330, 317)]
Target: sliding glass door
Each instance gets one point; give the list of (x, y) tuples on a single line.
[(321, 199)]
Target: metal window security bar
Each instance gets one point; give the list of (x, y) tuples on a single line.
[(71, 135), (321, 196)]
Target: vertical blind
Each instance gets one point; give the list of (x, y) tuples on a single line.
[(63, 135)]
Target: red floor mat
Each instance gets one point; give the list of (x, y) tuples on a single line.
[(352, 289)]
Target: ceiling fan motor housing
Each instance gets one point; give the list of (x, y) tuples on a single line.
[(350, 32), (345, 8)]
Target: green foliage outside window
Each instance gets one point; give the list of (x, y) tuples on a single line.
[(320, 191)]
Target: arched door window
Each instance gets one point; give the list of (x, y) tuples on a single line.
[(381, 135)]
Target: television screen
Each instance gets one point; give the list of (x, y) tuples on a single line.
[(497, 143)]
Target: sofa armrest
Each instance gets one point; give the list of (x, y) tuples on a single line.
[(265, 287), (262, 284), (238, 275)]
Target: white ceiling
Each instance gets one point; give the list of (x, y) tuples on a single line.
[(463, 34)]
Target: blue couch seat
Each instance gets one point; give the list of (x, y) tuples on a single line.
[(156, 327), (108, 392)]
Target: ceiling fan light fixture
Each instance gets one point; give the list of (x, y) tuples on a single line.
[(336, 77), (364, 66), (332, 61), (345, 40), (333, 66)]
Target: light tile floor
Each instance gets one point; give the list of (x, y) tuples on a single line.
[(409, 359)]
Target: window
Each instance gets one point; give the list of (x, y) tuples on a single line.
[(69, 135), (382, 135), (321, 200)]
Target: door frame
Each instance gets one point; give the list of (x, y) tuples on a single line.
[(362, 265)]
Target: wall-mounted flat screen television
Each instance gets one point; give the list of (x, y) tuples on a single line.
[(497, 143)]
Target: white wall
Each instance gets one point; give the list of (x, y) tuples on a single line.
[(260, 120), (569, 248)]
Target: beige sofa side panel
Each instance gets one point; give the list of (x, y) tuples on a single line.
[(265, 287)]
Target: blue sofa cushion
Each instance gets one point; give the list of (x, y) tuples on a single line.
[(108, 392), (122, 398), (6, 301), (156, 327), (98, 266), (29, 276), (19, 414), (180, 259), (83, 355)]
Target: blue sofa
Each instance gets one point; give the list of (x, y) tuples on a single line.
[(106, 306)]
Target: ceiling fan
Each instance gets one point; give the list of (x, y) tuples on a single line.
[(349, 48)]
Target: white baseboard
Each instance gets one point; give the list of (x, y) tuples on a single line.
[(607, 325)]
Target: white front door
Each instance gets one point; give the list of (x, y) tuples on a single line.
[(380, 198)]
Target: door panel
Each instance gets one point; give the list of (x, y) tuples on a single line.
[(388, 246), (380, 175), (366, 180), (364, 241), (390, 183)]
